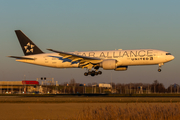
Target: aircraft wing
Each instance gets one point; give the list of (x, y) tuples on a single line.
[(84, 60), (25, 58)]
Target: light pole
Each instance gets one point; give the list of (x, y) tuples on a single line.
[(130, 88), (111, 83)]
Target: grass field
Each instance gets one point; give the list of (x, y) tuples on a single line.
[(131, 111), (82, 108), (89, 111)]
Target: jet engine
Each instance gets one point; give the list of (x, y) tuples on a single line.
[(109, 64)]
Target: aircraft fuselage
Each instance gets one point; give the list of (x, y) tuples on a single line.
[(124, 58)]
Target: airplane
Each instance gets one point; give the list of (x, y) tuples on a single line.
[(117, 60)]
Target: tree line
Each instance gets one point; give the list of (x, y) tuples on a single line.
[(118, 88)]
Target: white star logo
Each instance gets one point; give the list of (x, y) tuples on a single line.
[(29, 48)]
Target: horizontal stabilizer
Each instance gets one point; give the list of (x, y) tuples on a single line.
[(25, 58)]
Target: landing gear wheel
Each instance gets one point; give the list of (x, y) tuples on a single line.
[(99, 72), (159, 70), (89, 73), (96, 73), (93, 73), (85, 74)]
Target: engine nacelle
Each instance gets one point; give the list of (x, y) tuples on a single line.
[(121, 68), (109, 64)]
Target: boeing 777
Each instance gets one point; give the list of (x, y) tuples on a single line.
[(117, 60)]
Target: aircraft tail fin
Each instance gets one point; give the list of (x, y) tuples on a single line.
[(28, 47)]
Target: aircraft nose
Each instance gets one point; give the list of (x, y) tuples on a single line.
[(172, 57)]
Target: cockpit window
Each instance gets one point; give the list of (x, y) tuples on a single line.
[(168, 53)]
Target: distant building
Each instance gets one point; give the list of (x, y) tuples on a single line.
[(19, 87), (105, 85)]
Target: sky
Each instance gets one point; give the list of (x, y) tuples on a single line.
[(90, 25)]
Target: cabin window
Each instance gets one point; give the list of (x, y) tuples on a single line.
[(151, 58)]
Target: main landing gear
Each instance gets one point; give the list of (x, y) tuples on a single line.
[(92, 73)]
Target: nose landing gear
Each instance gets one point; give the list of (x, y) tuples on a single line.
[(159, 69)]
